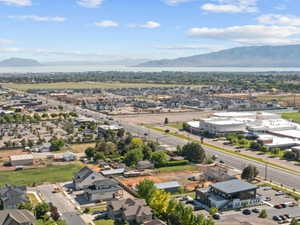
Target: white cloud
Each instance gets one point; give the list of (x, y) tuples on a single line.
[(17, 2), (90, 3), (107, 23), (231, 6), (150, 25), (174, 2), (249, 34), (39, 18), (276, 19)]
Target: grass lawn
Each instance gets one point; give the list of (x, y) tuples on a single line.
[(93, 209), (294, 116), (104, 222), (82, 85), (176, 125), (29, 177), (78, 148), (176, 168), (32, 198)]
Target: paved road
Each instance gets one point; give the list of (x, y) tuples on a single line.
[(64, 206), (277, 175)]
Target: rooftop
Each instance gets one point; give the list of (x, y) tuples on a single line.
[(21, 157), (233, 186), (166, 185)]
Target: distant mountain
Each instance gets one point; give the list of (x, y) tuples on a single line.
[(254, 56), (121, 62), (15, 62)]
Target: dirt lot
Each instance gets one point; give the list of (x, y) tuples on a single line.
[(159, 118), (180, 176), (4, 154)]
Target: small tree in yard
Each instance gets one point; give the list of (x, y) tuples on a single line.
[(57, 144), (90, 152), (263, 214), (166, 121), (40, 210), (133, 156), (145, 189), (159, 158), (249, 173)]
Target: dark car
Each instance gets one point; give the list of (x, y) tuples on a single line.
[(221, 161), (278, 206), (283, 205), (217, 216), (276, 218), (246, 212)]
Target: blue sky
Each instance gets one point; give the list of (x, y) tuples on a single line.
[(101, 30)]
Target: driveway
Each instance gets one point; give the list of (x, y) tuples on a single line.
[(63, 204)]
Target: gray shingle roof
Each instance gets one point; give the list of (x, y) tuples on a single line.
[(18, 216), (233, 186)]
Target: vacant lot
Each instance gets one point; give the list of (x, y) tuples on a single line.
[(292, 116), (159, 118), (29, 177), (79, 148), (160, 176), (82, 85)]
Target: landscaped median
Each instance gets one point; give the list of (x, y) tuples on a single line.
[(238, 154)]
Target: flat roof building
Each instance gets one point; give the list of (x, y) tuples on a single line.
[(21, 160)]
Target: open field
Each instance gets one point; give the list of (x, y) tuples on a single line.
[(283, 99), (159, 118), (292, 116), (79, 148), (82, 85), (29, 177)]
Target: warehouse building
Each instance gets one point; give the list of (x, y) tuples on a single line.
[(21, 160)]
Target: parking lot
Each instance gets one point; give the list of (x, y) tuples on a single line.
[(273, 197)]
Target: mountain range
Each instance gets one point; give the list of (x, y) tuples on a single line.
[(15, 62), (252, 56)]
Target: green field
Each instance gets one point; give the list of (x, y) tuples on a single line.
[(81, 85), (29, 177), (176, 168), (295, 116)]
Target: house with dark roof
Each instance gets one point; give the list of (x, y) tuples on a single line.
[(16, 217), (11, 196), (229, 194), (105, 189), (131, 210), (85, 178)]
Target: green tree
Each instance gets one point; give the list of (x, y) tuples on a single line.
[(133, 156), (145, 189), (249, 173), (98, 156), (213, 211), (26, 205), (159, 158), (263, 214), (294, 222), (57, 144), (90, 152), (194, 152), (40, 210)]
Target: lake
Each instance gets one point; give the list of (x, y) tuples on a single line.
[(84, 68)]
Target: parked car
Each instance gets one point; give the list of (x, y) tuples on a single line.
[(217, 216), (247, 212), (277, 218)]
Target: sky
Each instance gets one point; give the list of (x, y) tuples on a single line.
[(105, 30)]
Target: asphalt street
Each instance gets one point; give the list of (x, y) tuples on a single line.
[(64, 206)]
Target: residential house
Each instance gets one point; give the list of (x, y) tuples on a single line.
[(69, 156), (85, 178), (105, 189), (16, 217), (131, 210), (145, 164), (11, 196)]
